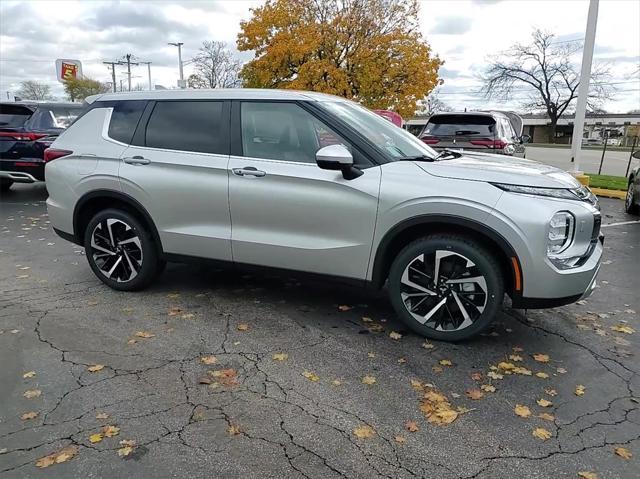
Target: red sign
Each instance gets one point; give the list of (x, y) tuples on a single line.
[(69, 70)]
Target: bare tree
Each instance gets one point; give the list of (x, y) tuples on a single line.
[(544, 70), (216, 67), (432, 105), (34, 90)]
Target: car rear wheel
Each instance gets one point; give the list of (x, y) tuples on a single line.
[(120, 250), (446, 287), (5, 185), (630, 205)]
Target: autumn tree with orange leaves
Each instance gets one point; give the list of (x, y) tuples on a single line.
[(371, 51)]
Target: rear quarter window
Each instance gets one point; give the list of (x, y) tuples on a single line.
[(125, 118)]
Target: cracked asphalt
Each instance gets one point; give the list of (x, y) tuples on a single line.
[(57, 319)]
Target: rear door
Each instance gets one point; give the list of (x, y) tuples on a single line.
[(460, 131), (287, 212), (177, 169)]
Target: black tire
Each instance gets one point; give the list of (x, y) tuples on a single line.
[(630, 205), (5, 185), (128, 253), (460, 258)]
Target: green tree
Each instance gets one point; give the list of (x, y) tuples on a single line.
[(369, 50), (80, 88)]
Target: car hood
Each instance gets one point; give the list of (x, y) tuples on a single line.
[(500, 169)]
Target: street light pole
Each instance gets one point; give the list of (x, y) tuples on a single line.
[(583, 87), (179, 45)]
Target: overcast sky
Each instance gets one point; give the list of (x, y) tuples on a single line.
[(462, 32)]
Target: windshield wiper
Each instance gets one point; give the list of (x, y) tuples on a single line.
[(447, 152), (417, 158)]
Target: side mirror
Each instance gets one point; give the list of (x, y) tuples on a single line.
[(525, 139), (337, 157)]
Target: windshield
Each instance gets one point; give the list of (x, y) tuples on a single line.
[(394, 141)]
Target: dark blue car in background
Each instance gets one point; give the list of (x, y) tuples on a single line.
[(26, 130)]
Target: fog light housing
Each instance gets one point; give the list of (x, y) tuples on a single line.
[(560, 233)]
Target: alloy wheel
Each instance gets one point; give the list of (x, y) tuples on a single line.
[(444, 290), (116, 250), (628, 202)]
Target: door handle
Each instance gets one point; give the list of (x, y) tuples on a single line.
[(136, 160), (248, 171)]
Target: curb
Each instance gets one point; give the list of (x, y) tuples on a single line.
[(618, 194)]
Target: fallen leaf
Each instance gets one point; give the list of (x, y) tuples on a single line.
[(336, 382), (411, 426), (110, 431), (541, 433), (494, 375), (29, 415), (371, 355), (208, 360), (488, 388), (506, 366), (587, 475), (174, 311), (400, 439), (95, 368), (561, 370), (551, 392), (522, 371), (280, 356), (541, 358), (623, 328), (474, 394), (476, 376), (515, 357), (437, 409), (542, 375), (204, 380), (544, 403), (63, 455), (344, 307), (368, 380), (32, 393), (188, 316), (233, 429), (102, 415), (127, 447), (427, 345), (97, 437), (522, 411), (28, 375), (243, 327), (366, 319), (580, 389), (144, 334), (364, 432), (395, 335), (624, 453), (311, 376), (445, 362), (546, 416), (92, 302), (226, 377)]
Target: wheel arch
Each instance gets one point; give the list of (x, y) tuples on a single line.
[(409, 230), (89, 204)]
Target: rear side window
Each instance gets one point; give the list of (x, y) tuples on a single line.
[(13, 116), (188, 126), (461, 125), (124, 119)]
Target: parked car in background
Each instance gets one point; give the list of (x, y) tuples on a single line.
[(487, 132), (592, 142), (26, 130), (392, 116), (632, 200), (320, 185)]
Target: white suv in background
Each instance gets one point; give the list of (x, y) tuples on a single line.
[(318, 184)]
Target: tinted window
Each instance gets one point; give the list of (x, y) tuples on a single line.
[(283, 131), (188, 126), (63, 116), (456, 125), (13, 116), (124, 119)]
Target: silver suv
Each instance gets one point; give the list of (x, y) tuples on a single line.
[(317, 184)]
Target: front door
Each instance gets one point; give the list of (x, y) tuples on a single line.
[(285, 211)]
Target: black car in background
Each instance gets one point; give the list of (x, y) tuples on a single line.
[(26, 130)]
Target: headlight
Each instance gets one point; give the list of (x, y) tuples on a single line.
[(563, 193), (560, 232)]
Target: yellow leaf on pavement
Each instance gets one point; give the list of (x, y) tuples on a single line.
[(28, 375), (506, 366), (544, 403), (243, 327), (32, 393), (546, 416), (541, 358), (542, 375), (102, 415), (110, 431), (364, 432), (395, 335), (474, 394), (488, 388), (97, 437), (368, 379), (233, 429), (494, 375), (344, 307), (522, 411), (208, 360), (587, 475), (445, 362), (623, 452), (144, 334), (63, 455), (623, 328), (280, 357), (515, 357), (580, 389), (400, 439), (29, 415), (311, 376), (95, 368), (541, 433), (411, 426), (127, 447)]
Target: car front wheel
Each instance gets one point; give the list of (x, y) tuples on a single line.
[(120, 250), (630, 205), (446, 287)]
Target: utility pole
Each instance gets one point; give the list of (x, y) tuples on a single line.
[(113, 74), (149, 72), (583, 87), (128, 63), (179, 45)]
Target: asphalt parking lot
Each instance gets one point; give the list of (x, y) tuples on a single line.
[(217, 374)]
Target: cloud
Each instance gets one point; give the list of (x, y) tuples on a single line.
[(451, 25)]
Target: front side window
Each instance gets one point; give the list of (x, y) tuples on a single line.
[(188, 126), (283, 131)]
